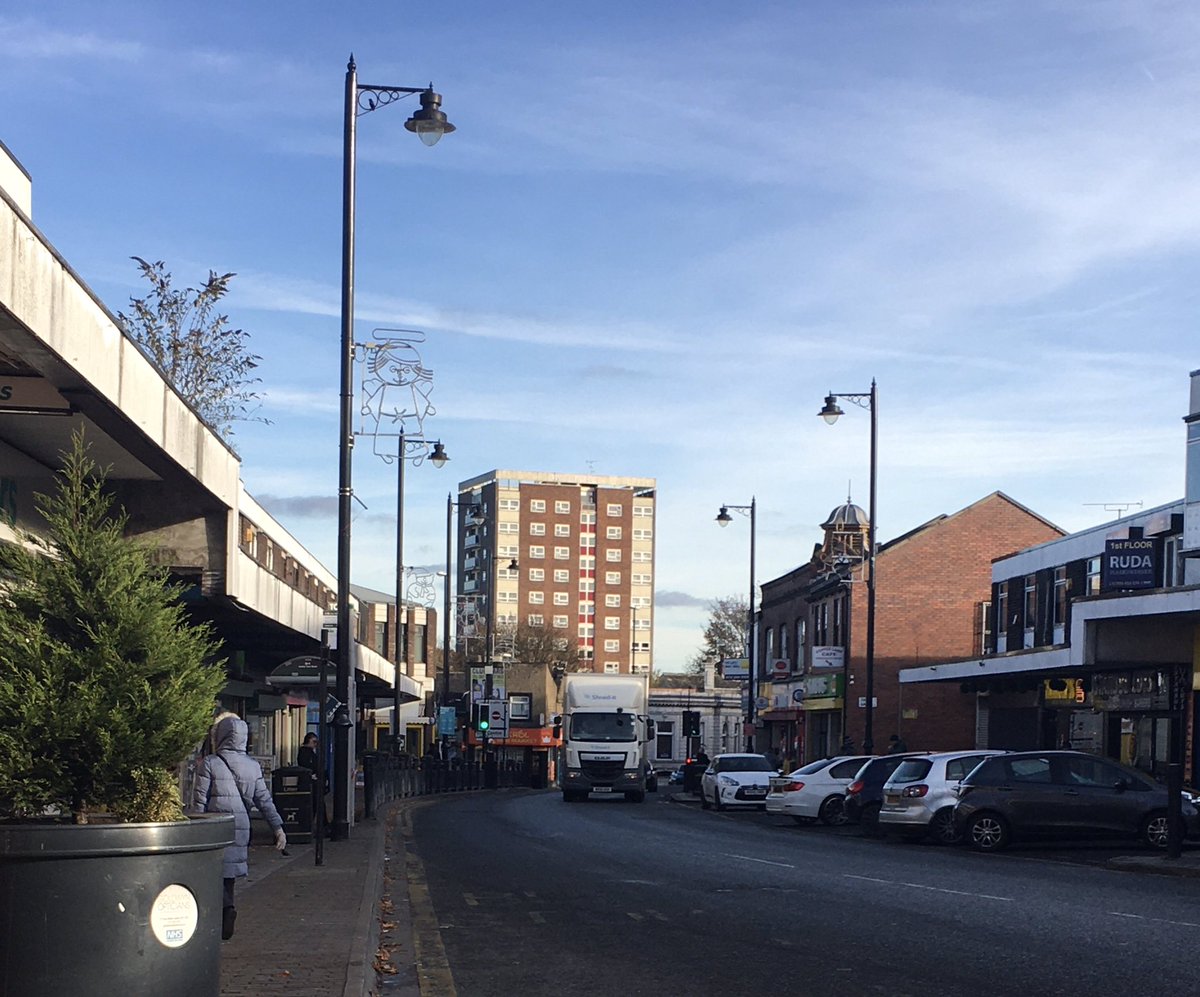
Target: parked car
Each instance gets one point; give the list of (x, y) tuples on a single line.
[(816, 791), (864, 795), (1065, 792), (919, 797), (736, 779), (676, 777)]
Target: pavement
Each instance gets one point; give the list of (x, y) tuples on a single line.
[(323, 931), (361, 924)]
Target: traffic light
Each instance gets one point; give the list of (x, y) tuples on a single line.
[(479, 717), (691, 723)]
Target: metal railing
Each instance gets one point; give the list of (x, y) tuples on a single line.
[(394, 777)]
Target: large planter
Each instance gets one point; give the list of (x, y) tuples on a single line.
[(112, 909)]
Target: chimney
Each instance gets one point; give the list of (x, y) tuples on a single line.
[(1191, 493), (708, 676)]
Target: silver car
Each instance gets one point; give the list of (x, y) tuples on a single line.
[(919, 797)]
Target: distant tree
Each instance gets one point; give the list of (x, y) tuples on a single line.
[(538, 645), (724, 634), (206, 361), (675, 680)]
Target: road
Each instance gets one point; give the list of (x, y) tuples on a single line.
[(537, 896)]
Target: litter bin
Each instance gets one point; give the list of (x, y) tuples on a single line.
[(291, 788)]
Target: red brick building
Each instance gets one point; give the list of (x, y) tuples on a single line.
[(932, 589)]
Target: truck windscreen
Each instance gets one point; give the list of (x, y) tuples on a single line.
[(602, 727)]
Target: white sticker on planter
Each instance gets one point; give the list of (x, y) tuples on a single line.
[(174, 916)]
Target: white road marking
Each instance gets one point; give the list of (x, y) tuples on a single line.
[(932, 889), (1156, 920), (747, 858), (636, 916), (536, 918), (470, 900)]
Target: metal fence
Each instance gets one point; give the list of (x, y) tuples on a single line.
[(394, 777)]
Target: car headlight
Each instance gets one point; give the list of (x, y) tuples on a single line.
[(727, 780)]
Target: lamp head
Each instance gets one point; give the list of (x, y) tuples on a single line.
[(439, 456), (513, 565), (475, 515), (429, 123), (723, 516), (831, 411)]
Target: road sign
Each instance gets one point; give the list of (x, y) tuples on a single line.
[(447, 720), (497, 714)]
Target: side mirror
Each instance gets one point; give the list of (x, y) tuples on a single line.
[(651, 729), (1121, 785)]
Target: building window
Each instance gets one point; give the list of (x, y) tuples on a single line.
[(643, 510), (508, 528), (612, 601), (537, 505), (1002, 607), (587, 608), (643, 534), (642, 578), (612, 578), (613, 533), (612, 668), (587, 541), (586, 629), (587, 585), (837, 630), (1030, 608), (511, 550), (562, 575), (537, 551), (983, 635), (562, 598), (612, 646), (587, 562), (562, 507), (639, 601), (612, 623), (520, 706), (506, 596), (643, 556), (560, 623), (562, 529), (612, 555), (1060, 596), (664, 741), (641, 624), (537, 574), (641, 647), (1092, 587), (587, 518), (1172, 561), (536, 620), (537, 529), (510, 504), (585, 654), (537, 598)]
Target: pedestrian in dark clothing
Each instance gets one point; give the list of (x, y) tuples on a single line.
[(702, 758), (306, 757), (228, 781), (896, 746), (847, 745)]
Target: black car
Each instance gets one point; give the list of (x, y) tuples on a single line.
[(1063, 792), (864, 796)]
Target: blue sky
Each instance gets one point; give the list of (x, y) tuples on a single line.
[(661, 234)]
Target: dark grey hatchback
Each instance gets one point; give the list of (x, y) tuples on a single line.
[(1063, 792)]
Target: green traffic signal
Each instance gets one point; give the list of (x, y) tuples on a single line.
[(484, 724)]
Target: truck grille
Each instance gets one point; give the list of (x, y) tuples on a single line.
[(602, 771)]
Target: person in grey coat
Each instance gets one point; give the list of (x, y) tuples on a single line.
[(228, 781)]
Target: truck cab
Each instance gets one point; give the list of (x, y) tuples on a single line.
[(606, 736)]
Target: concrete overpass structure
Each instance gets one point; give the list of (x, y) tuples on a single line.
[(66, 365)]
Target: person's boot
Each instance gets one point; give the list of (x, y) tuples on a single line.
[(228, 916)]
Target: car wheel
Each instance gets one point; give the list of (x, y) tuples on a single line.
[(717, 799), (942, 829), (987, 832), (1156, 829), (832, 812), (870, 819)]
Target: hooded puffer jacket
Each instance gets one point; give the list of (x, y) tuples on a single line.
[(227, 779)]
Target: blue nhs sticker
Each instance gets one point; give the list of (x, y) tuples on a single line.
[(174, 934)]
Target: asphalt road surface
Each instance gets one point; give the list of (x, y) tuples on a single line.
[(536, 896)]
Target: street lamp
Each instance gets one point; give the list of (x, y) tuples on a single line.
[(724, 519), (416, 449), (830, 412), (430, 124)]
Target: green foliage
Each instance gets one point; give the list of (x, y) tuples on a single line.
[(724, 634), (206, 361), (105, 686)]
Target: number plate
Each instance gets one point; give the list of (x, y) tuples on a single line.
[(602, 789)]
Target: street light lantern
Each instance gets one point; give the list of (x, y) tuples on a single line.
[(513, 565), (475, 515), (831, 411), (723, 516), (439, 456), (429, 123)]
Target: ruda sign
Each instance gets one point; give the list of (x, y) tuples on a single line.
[(1129, 564)]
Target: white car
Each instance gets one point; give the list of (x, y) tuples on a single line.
[(816, 791), (736, 780)]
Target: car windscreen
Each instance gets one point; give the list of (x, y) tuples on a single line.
[(812, 767), (912, 770), (602, 727), (753, 764)]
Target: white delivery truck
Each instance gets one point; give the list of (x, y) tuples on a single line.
[(606, 736)]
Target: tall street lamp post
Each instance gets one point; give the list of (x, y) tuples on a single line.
[(724, 519), (830, 412), (430, 124), (414, 448), (451, 569)]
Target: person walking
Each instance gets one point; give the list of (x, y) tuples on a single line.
[(897, 746), (229, 781), (306, 757)]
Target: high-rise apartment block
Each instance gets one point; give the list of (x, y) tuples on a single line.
[(568, 555)]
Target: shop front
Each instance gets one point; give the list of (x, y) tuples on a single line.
[(824, 715)]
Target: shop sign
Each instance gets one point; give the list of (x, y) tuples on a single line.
[(1140, 690), (781, 668), (816, 686), (33, 395), (1062, 692), (827, 656), (735, 668), (1129, 564)]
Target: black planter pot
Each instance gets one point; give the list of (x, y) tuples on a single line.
[(112, 909)]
